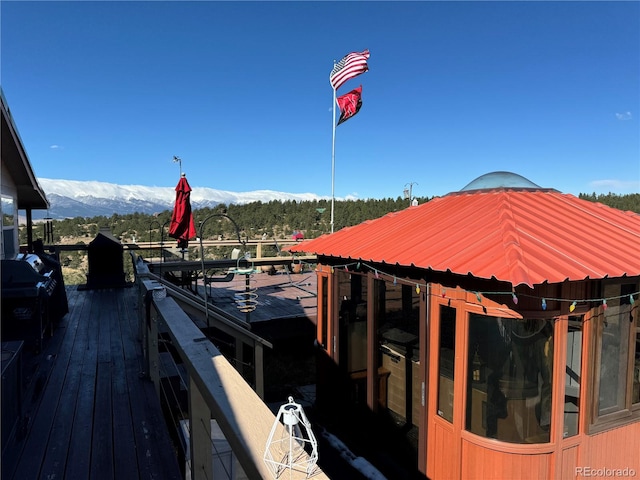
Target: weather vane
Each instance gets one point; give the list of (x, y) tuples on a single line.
[(178, 160)]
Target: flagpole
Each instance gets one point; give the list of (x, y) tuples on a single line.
[(333, 155), (351, 65)]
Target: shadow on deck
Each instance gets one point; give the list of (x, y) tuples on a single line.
[(86, 411)]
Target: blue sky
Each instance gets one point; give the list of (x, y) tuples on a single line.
[(111, 91)]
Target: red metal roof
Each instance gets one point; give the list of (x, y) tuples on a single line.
[(521, 236)]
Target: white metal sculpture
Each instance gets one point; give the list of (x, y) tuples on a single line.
[(291, 444)]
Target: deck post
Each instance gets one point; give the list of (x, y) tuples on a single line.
[(240, 356), (153, 367), (149, 327), (258, 362), (200, 434)]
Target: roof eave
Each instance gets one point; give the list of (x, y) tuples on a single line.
[(30, 195)]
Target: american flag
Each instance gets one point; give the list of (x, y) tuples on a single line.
[(350, 66)]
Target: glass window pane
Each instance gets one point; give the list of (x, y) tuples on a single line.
[(397, 309), (626, 292), (353, 321), (352, 324), (324, 288), (509, 382), (9, 249), (446, 361), (636, 368), (8, 211), (572, 377), (614, 356)]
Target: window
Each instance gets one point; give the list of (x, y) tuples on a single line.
[(9, 236), (8, 212), (509, 381), (572, 376), (616, 392), (397, 308), (635, 397), (614, 354), (352, 291), (446, 359), (324, 311)]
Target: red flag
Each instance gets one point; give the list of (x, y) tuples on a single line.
[(349, 104), (351, 65), (182, 227)]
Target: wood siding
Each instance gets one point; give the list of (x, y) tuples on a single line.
[(440, 439), (614, 449), (479, 462)]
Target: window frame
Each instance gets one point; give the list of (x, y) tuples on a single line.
[(10, 241), (440, 412), (552, 380), (630, 413)]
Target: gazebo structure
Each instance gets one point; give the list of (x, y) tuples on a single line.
[(496, 326)]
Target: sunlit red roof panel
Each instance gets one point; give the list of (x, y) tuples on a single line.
[(517, 235)]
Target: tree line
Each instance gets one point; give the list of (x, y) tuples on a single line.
[(273, 219), (253, 220)]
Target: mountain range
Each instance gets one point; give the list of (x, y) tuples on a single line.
[(72, 198)]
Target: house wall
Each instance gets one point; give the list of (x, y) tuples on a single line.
[(618, 448), (9, 239), (588, 456), (582, 457), (480, 462)]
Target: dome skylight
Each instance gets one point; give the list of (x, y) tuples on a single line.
[(499, 180)]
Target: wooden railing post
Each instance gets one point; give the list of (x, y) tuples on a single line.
[(240, 357), (258, 361), (150, 334), (153, 366)]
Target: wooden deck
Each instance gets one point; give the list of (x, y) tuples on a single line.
[(87, 412), (283, 295), (279, 296)]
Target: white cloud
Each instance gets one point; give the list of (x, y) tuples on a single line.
[(624, 116), (55, 147), (616, 186)]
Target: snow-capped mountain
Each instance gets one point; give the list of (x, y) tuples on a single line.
[(71, 198)]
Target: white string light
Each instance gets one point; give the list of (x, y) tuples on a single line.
[(379, 274)]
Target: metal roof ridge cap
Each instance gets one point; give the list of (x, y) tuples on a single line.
[(513, 253)]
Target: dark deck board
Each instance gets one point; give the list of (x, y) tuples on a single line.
[(87, 411), (125, 448), (102, 449), (278, 296), (44, 410), (52, 466), (80, 443)]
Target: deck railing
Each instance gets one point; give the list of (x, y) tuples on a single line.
[(216, 390)]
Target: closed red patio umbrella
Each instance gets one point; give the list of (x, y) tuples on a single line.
[(182, 227)]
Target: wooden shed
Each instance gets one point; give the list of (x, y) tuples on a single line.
[(500, 339)]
